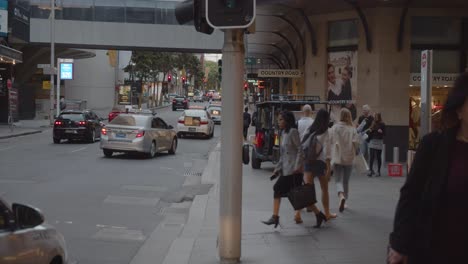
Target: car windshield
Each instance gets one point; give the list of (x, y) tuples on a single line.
[(73, 116), (129, 120), (214, 110)]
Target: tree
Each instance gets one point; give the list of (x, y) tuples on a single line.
[(192, 67), (212, 80)]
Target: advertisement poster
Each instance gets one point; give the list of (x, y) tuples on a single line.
[(342, 82)]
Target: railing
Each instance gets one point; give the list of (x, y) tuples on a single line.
[(294, 97), (120, 11)]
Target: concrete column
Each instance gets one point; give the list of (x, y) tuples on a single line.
[(230, 187)]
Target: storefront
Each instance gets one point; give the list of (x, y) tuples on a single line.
[(9, 95)]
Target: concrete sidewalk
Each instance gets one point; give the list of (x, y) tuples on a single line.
[(358, 235), (23, 128)]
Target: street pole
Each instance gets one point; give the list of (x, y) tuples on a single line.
[(52, 55), (230, 191), (58, 87)]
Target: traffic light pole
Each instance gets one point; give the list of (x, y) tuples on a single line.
[(230, 189)]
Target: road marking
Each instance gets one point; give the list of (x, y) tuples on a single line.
[(80, 149), (15, 181), (1, 149), (131, 200)]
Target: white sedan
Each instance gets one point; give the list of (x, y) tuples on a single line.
[(24, 238), (195, 122)]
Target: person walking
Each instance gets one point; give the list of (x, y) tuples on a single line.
[(305, 121), (364, 123), (320, 167), (289, 168), (430, 224), (345, 142), (247, 121), (376, 134)]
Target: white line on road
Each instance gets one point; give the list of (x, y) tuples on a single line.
[(7, 148), (80, 149)]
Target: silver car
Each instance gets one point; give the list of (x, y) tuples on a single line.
[(24, 238), (138, 133), (215, 111)]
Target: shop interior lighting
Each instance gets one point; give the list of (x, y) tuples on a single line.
[(14, 62), (1, 58), (410, 85)]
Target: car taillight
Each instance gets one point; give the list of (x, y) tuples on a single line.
[(140, 134), (185, 101), (181, 122), (204, 122), (104, 131), (259, 139), (82, 123), (174, 101), (58, 123)]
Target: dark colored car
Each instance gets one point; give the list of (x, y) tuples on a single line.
[(80, 125), (180, 102), (266, 145)]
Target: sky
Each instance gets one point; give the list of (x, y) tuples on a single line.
[(213, 57)]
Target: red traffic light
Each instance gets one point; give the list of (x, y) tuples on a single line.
[(246, 86), (169, 78)]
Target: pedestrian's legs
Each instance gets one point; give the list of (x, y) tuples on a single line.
[(338, 172), (309, 179), (245, 132), (365, 149), (371, 163), (379, 160), (346, 175), (325, 196)]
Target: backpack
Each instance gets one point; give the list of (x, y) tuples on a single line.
[(311, 147)]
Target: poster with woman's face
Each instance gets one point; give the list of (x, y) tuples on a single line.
[(341, 82)]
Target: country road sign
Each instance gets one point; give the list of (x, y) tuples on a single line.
[(276, 73)]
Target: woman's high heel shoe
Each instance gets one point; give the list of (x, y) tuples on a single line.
[(320, 218), (370, 174), (274, 220)]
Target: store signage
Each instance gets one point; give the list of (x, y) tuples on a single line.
[(66, 71), (438, 79), (45, 85), (3, 18), (275, 73)]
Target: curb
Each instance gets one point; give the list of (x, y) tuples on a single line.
[(21, 134), (182, 247)]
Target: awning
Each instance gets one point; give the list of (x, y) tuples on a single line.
[(9, 55)]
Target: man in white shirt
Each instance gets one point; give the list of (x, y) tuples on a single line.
[(306, 121)]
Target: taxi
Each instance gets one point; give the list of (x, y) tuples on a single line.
[(24, 238), (195, 122)]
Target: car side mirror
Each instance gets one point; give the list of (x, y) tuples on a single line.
[(170, 127), (26, 216)]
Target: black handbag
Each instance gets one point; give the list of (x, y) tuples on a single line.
[(302, 196)]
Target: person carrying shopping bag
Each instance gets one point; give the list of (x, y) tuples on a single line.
[(345, 142), (319, 166), (376, 134), (289, 167)]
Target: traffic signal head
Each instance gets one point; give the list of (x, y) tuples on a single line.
[(169, 78), (230, 13), (193, 10), (246, 86)]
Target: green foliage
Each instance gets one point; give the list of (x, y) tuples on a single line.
[(213, 75)]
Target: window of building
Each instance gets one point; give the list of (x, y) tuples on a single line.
[(343, 33), (109, 10), (435, 30), (142, 11), (77, 10), (443, 61)]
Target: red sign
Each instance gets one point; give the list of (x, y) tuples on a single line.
[(9, 84), (424, 60)]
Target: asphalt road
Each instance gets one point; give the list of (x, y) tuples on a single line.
[(105, 208)]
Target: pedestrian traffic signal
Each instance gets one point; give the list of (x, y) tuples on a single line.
[(193, 10), (220, 69), (224, 14), (183, 79)]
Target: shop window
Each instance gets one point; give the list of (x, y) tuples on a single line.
[(443, 61), (435, 30), (343, 33)]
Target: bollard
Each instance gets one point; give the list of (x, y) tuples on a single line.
[(396, 155)]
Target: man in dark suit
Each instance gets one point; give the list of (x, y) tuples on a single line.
[(247, 121)]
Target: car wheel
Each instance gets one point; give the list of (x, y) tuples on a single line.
[(92, 138), (152, 152), (256, 162), (57, 140), (173, 149), (107, 153)]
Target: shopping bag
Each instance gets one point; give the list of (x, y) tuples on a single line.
[(360, 164), (302, 196)]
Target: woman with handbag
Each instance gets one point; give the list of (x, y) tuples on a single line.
[(345, 142), (289, 167), (319, 166), (376, 134), (430, 223)]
